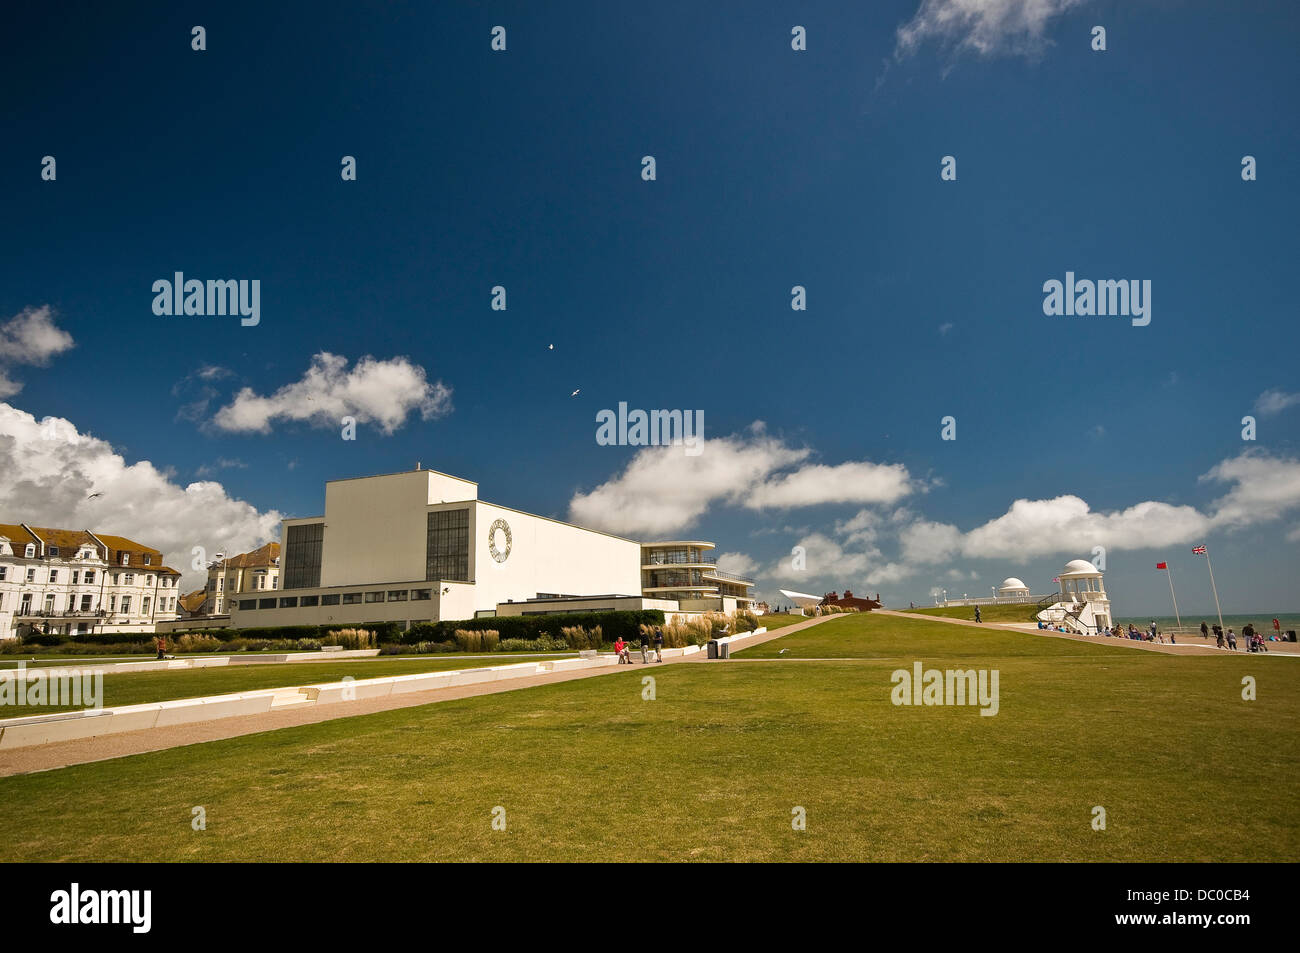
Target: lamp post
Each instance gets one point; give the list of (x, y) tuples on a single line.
[(224, 595)]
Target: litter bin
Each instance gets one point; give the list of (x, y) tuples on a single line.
[(724, 650), (1290, 635), (712, 648)]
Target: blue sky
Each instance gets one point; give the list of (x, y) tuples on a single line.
[(775, 168)]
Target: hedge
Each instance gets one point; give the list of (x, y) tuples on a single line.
[(626, 623)]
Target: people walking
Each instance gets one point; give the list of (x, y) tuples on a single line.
[(645, 646), (977, 614), (1232, 639), (659, 643), (1205, 631)]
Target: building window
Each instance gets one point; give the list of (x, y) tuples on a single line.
[(112, 603), (128, 578), (248, 603), (266, 603), (352, 598), (148, 560), (4, 573), (144, 606), (330, 600), (54, 550), (30, 551), (54, 575), (302, 552), (374, 597), (447, 546), (397, 595), (126, 559), (126, 605), (288, 602), (221, 584), (90, 576), (75, 574), (31, 575), (310, 601), (421, 594), (148, 580), (49, 603)]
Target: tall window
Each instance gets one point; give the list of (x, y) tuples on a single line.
[(126, 605), (302, 553), (447, 552)]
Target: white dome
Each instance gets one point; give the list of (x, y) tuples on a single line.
[(1077, 567), (1013, 583)]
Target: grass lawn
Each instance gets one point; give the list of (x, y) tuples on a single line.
[(1020, 612), (777, 620), (137, 688), (712, 768)]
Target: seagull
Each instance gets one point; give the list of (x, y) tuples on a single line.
[(93, 495), (576, 392), (782, 652), (550, 347)]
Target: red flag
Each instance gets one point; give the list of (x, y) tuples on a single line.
[(1162, 565), (1199, 550)]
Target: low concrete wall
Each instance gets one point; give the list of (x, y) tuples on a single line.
[(67, 726)]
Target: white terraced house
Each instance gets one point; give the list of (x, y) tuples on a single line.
[(686, 571), (75, 582)]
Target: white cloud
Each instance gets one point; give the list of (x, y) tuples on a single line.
[(984, 27), (739, 563), (1275, 401), (29, 338), (1262, 489), (373, 391), (51, 470), (663, 489)]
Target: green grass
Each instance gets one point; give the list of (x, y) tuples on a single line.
[(1019, 612), (779, 620), (138, 688), (710, 770)]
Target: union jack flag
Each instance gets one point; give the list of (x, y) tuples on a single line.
[(1199, 550)]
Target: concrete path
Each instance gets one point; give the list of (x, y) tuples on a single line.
[(62, 754), (1196, 647)]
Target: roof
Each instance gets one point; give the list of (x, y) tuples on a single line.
[(67, 540), (264, 555), (193, 601), (1011, 582), (1079, 566)]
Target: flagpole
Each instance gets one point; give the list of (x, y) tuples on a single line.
[(1210, 566), (1170, 573)]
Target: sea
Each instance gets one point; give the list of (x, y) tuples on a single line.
[(1263, 621)]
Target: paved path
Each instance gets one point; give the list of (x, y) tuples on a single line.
[(64, 753), (1196, 647)]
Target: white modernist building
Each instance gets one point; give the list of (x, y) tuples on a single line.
[(421, 546), (1083, 605)]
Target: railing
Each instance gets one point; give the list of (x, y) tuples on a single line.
[(63, 614), (990, 600), (677, 559), (727, 575)]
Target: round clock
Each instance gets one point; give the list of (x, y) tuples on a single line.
[(499, 553)]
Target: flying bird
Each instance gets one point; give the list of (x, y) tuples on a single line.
[(93, 495), (576, 392), (550, 347)]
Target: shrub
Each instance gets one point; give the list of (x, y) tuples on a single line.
[(745, 620), (350, 638), (613, 624), (197, 643)]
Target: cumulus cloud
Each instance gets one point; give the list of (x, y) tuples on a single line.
[(1261, 489), (1275, 401), (739, 563), (373, 391), (29, 338), (51, 470), (663, 489), (984, 27)]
